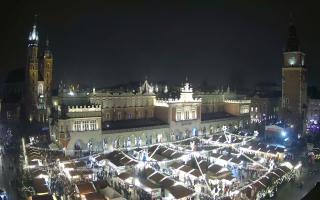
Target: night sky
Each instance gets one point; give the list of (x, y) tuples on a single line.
[(99, 43)]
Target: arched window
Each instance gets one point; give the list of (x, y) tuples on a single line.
[(40, 89)]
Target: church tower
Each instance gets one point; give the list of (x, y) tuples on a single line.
[(47, 74), (32, 73), (294, 82)]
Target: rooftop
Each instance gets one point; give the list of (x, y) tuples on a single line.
[(85, 188), (215, 115), (132, 123)]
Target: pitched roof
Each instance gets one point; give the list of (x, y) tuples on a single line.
[(100, 184), (39, 185), (179, 191), (124, 176), (176, 165), (157, 177), (85, 188), (167, 182), (42, 197), (94, 196)]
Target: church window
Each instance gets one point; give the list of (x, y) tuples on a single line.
[(40, 89)]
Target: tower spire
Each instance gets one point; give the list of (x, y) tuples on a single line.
[(33, 35), (47, 51), (293, 43)]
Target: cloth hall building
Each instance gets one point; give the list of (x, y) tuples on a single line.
[(102, 120)]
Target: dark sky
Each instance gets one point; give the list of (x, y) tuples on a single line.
[(222, 42)]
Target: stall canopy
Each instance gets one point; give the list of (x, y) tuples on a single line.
[(110, 194), (179, 191)]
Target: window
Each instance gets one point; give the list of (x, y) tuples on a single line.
[(77, 126), (251, 109), (40, 89), (178, 117), (108, 116), (244, 109), (86, 125), (194, 114), (130, 116), (256, 109), (93, 125), (119, 115), (186, 115), (151, 113)]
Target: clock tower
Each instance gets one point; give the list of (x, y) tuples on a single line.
[(294, 82)]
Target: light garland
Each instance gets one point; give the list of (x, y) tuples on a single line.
[(184, 152)]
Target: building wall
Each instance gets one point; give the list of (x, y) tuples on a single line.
[(112, 107), (294, 89), (162, 113), (214, 101), (313, 112), (124, 106), (212, 126), (232, 108), (264, 109), (237, 107)]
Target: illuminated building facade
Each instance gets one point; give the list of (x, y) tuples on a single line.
[(313, 116), (264, 109), (106, 120)]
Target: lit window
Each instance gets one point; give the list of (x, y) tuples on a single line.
[(186, 115), (93, 125), (77, 126), (194, 114), (256, 109), (178, 116), (251, 109), (86, 125)]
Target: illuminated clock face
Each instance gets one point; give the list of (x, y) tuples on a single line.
[(292, 61)]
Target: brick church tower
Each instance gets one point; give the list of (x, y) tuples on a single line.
[(38, 87)]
